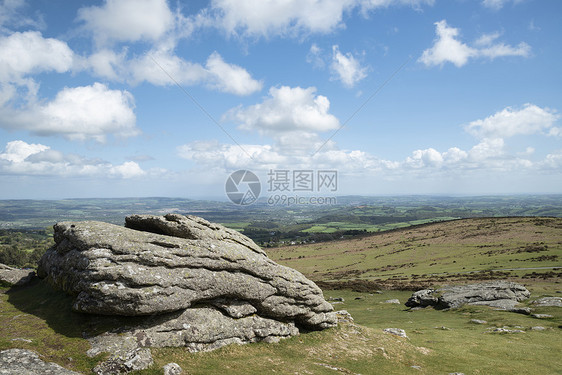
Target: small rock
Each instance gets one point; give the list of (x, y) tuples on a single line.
[(506, 330), (416, 367), (336, 303), (172, 369), (15, 276), (394, 301), (378, 292), (396, 331), (478, 321), (337, 299), (521, 310), (456, 373), (344, 316), (537, 328), (23, 361), (443, 328), (548, 301), (541, 316), (20, 339), (358, 298)]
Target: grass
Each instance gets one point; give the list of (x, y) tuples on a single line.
[(44, 316), (450, 250)]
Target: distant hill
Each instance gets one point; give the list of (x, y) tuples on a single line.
[(453, 251)]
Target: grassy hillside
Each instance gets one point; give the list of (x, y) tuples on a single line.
[(454, 251), (439, 342)]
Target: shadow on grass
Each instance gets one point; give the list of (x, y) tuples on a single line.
[(38, 298)]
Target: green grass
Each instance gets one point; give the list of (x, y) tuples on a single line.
[(44, 316), (451, 250)]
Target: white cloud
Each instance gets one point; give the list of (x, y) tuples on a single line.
[(21, 158), (29, 53), (79, 113), (448, 48), (257, 18), (163, 67), (128, 169), (498, 4), (127, 20), (264, 18), (229, 77), (10, 14), (287, 110), (346, 68), (424, 158), (509, 122), (18, 151)]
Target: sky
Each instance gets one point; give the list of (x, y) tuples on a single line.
[(133, 98)]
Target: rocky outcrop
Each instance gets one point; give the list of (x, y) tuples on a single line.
[(200, 285), (27, 362), (14, 276), (548, 302), (499, 294)]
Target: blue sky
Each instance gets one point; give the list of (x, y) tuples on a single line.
[(122, 98)]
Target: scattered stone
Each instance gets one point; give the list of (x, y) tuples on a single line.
[(118, 363), (396, 332), (23, 361), (199, 285), (378, 292), (336, 303), (542, 316), (344, 316), (537, 328), (521, 310), (416, 367), (10, 276), (548, 301), (478, 321), (495, 292), (443, 328), (172, 369), (507, 330), (20, 339), (358, 298), (456, 373), (337, 299), (394, 301)]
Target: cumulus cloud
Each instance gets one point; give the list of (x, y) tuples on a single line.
[(29, 53), (127, 20), (257, 18), (346, 68), (448, 48), (163, 67), (287, 109), (79, 113), (22, 158), (531, 119)]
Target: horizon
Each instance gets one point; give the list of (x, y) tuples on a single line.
[(155, 98)]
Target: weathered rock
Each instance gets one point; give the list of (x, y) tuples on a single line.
[(210, 288), (392, 301), (537, 328), (14, 276), (484, 293), (190, 227), (396, 331), (172, 369), (542, 316), (478, 321), (27, 362), (548, 301), (122, 363)]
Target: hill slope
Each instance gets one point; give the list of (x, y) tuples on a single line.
[(467, 249)]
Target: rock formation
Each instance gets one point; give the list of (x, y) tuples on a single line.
[(200, 285), (500, 294), (14, 276), (23, 361)]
